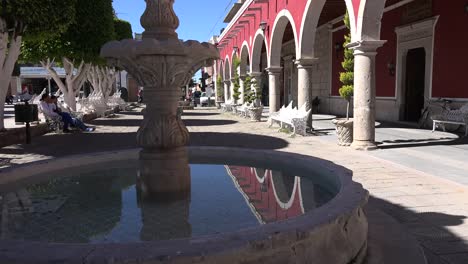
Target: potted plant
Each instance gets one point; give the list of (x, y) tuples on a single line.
[(255, 99), (219, 92), (344, 126)]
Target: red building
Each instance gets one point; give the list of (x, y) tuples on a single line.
[(406, 51)]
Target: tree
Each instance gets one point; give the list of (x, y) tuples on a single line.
[(102, 79), (25, 19), (123, 29), (219, 88), (347, 77), (236, 93), (82, 42)]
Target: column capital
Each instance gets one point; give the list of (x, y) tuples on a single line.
[(274, 70), (306, 62), (366, 47)]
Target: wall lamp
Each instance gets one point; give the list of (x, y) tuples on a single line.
[(338, 46), (263, 26), (235, 48), (391, 68)]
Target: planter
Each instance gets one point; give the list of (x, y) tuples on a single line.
[(255, 113), (344, 131)]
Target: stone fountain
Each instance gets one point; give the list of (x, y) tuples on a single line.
[(161, 63)]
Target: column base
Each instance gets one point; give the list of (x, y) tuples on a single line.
[(364, 145), (164, 174)]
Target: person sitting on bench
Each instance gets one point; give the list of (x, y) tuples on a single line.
[(50, 109)]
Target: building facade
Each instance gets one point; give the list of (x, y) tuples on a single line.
[(406, 52)]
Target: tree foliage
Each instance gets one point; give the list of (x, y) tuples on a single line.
[(123, 29), (236, 87), (42, 18), (219, 87), (347, 77), (92, 27)]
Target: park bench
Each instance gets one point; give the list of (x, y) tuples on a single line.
[(296, 118), (226, 106), (55, 124), (454, 117), (243, 110)]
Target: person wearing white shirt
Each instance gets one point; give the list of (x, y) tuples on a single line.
[(50, 109)]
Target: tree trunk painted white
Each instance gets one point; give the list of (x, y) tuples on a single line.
[(10, 48), (102, 80), (74, 79)]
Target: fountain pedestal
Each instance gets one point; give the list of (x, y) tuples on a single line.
[(162, 64)]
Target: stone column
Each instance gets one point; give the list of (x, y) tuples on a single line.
[(304, 84), (274, 88), (364, 93), (227, 86)]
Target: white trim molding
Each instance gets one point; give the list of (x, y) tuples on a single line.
[(415, 35)]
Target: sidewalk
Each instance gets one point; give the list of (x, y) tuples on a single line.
[(432, 208)]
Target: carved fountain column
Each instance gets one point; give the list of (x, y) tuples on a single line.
[(161, 63)]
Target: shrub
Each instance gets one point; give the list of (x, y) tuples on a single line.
[(347, 77)]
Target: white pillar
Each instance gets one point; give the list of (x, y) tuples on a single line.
[(304, 84), (227, 85), (364, 93), (215, 80), (274, 88), (231, 90)]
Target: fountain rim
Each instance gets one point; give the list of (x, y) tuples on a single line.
[(350, 197)]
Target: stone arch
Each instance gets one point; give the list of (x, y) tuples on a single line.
[(245, 58), (221, 69), (227, 71), (284, 188), (256, 58), (234, 57), (309, 25), (367, 15), (281, 22)]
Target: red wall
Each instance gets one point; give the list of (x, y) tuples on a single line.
[(450, 50), (385, 82), (337, 58)]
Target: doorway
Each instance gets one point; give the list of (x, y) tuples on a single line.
[(415, 84)]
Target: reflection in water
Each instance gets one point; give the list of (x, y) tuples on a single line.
[(110, 205), (164, 174), (276, 196), (163, 219)]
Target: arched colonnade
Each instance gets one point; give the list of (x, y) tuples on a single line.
[(254, 43)]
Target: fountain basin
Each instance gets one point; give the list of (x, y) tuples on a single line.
[(336, 232)]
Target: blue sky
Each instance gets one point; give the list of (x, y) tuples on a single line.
[(197, 18)]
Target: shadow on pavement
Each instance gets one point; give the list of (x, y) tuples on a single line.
[(430, 229), (207, 122), (413, 143), (238, 140), (55, 145), (116, 122), (198, 114)]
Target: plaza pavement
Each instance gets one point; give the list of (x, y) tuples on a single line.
[(418, 178)]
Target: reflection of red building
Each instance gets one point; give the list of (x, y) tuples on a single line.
[(271, 195)]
